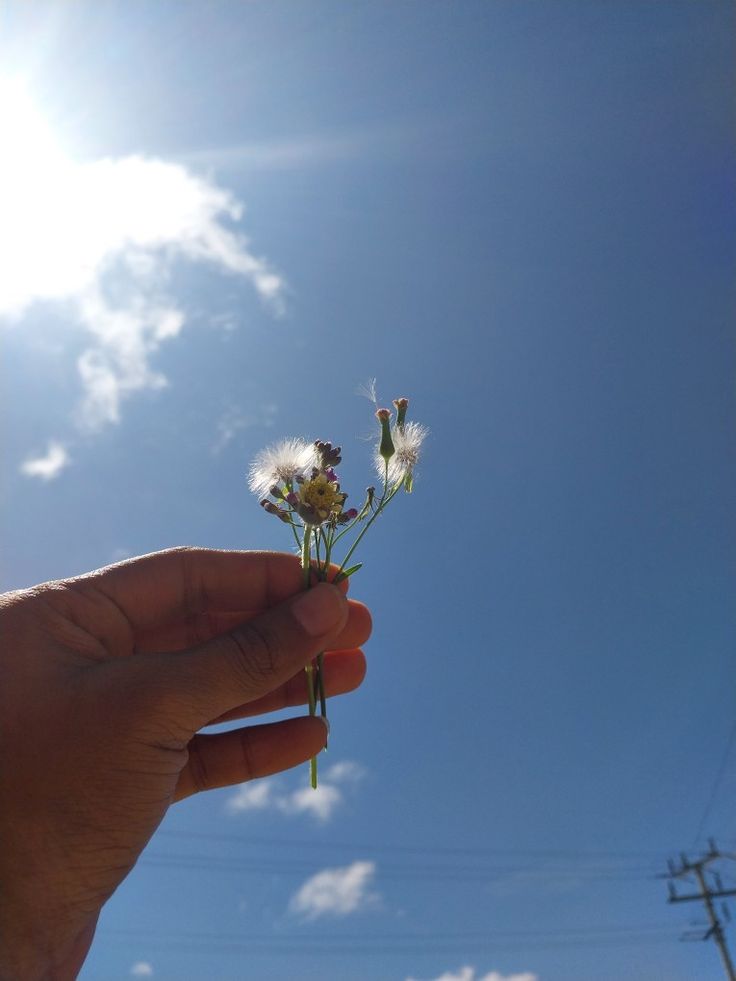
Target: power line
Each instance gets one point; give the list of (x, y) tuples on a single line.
[(717, 783), (399, 935), (368, 945), (446, 873), (706, 895), (431, 850)]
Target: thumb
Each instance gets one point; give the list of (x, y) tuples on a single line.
[(189, 688)]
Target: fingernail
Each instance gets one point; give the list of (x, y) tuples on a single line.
[(319, 609)]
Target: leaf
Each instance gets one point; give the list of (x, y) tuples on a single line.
[(346, 573)]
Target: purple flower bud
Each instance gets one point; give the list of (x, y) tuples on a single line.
[(386, 448)]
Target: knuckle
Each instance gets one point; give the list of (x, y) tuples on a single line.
[(255, 652), (192, 587), (246, 750), (198, 769)]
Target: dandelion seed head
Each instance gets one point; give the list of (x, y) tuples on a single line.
[(281, 463), (407, 441)]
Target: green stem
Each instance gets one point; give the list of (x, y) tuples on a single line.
[(309, 670), (321, 686), (306, 555), (381, 505)]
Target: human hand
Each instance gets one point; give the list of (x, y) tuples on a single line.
[(105, 682)]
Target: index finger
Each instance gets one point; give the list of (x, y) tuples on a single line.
[(178, 583)]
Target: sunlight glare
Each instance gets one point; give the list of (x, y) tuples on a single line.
[(61, 219)]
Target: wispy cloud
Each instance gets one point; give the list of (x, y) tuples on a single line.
[(235, 419), (336, 892), (255, 796), (142, 969), (49, 465), (100, 239), (345, 771), (321, 804), (469, 974)]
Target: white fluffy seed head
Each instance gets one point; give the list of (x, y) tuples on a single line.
[(407, 441), (282, 463)]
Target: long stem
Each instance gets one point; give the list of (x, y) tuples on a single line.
[(309, 670), (385, 498)]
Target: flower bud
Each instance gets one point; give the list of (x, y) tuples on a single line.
[(401, 406), (386, 449), (329, 455), (275, 509)]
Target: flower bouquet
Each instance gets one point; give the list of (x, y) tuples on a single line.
[(298, 484)]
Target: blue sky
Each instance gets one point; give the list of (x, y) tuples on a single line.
[(223, 218)]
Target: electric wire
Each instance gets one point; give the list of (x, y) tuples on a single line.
[(720, 773)]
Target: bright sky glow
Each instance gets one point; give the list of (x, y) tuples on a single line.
[(101, 236)]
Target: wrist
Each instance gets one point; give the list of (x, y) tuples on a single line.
[(39, 945), (24, 957)]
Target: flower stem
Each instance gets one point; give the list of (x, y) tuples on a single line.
[(385, 498), (309, 670), (321, 686)]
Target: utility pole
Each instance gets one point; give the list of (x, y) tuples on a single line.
[(706, 895)]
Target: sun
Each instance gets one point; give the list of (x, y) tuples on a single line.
[(35, 176)]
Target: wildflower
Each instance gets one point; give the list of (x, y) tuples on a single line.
[(401, 406), (302, 489), (272, 508), (285, 463), (329, 456), (319, 498), (408, 441), (386, 448)]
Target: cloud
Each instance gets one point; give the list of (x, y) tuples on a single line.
[(234, 419), (345, 771), (336, 892), (49, 466), (468, 974), (142, 969), (255, 796), (100, 239), (321, 803)]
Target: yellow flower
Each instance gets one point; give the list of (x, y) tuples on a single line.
[(322, 495)]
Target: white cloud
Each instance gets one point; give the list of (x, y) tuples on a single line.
[(255, 796), (321, 803), (345, 771), (468, 974), (336, 892), (100, 238), (142, 969), (48, 466)]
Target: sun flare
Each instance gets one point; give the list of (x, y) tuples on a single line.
[(39, 232)]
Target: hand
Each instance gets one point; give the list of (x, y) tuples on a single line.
[(105, 681)]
